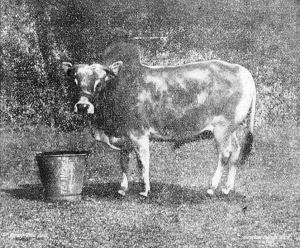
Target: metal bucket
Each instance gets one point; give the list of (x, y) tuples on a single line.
[(62, 174)]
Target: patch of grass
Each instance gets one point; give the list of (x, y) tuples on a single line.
[(262, 212), (19, 148)]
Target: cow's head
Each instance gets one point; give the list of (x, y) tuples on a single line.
[(90, 79)]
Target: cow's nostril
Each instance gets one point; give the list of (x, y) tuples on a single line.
[(82, 108)]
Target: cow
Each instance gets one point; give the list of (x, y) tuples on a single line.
[(132, 104)]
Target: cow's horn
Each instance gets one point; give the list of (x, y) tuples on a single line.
[(96, 84), (109, 72), (116, 66), (66, 66)]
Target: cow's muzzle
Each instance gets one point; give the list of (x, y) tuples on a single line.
[(84, 106)]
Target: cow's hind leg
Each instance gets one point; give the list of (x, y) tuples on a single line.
[(124, 161), (235, 152), (217, 176), (223, 140)]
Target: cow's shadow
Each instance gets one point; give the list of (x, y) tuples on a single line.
[(34, 192), (161, 193)]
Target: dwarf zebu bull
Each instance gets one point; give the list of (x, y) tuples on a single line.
[(133, 103)]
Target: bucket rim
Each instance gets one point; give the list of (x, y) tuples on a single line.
[(63, 153)]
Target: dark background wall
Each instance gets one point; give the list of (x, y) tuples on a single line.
[(36, 36)]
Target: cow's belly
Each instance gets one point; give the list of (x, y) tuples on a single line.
[(116, 143), (176, 125)]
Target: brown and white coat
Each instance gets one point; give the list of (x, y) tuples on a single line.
[(133, 103)]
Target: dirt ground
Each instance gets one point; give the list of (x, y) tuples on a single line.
[(264, 210)]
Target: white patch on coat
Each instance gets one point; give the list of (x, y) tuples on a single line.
[(152, 131), (200, 75), (181, 82), (201, 98), (144, 96), (99, 135), (225, 74), (85, 70), (219, 120), (99, 69), (124, 185), (159, 82)]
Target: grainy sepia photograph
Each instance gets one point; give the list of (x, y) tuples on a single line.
[(149, 123)]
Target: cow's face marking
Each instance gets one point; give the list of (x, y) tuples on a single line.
[(89, 79), (101, 76), (86, 77)]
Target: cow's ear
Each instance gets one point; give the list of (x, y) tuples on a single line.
[(67, 66), (116, 67)]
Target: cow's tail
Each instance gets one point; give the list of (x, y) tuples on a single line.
[(252, 114), (248, 143)]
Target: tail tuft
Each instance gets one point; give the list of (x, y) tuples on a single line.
[(247, 147)]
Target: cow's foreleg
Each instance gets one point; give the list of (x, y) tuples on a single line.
[(235, 152), (143, 153), (140, 166), (124, 161)]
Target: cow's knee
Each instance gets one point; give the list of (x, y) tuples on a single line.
[(235, 148), (216, 177), (225, 148), (230, 150), (226, 156), (233, 160)]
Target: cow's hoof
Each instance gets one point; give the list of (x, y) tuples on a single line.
[(122, 192), (225, 191), (145, 194), (210, 192)]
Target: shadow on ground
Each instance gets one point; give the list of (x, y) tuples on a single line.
[(26, 191), (161, 193)]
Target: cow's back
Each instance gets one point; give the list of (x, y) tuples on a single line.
[(181, 100)]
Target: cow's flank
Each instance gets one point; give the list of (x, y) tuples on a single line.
[(134, 103)]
